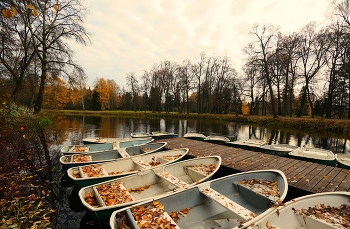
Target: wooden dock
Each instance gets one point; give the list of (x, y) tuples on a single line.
[(303, 177)]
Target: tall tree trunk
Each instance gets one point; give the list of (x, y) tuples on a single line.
[(39, 100), (284, 105), (269, 83), (303, 100), (311, 104)]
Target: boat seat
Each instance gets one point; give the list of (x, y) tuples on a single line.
[(174, 180), (143, 164), (123, 152), (307, 221), (241, 211)]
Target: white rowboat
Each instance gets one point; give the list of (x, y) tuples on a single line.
[(316, 155), (91, 174), (102, 199), (233, 201)]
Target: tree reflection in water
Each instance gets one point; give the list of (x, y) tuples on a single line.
[(30, 170)]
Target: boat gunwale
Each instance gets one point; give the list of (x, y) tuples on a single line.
[(330, 156)]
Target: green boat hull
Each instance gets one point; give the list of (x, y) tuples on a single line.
[(323, 162)]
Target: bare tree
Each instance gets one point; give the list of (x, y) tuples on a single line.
[(290, 47), (224, 74), (198, 71), (251, 85), (312, 54), (156, 91), (132, 82), (212, 65), (186, 78), (168, 70), (261, 51), (336, 36), (145, 89)]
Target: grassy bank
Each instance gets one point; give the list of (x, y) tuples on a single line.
[(339, 127)]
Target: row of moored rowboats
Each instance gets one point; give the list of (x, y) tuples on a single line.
[(150, 186)]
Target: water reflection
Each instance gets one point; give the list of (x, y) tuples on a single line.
[(71, 130)]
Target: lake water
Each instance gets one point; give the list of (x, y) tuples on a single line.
[(70, 130)]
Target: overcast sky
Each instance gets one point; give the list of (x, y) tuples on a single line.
[(133, 35)]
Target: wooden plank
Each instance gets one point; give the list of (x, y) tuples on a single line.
[(293, 174), (336, 181), (203, 152), (241, 155), (263, 162), (238, 157), (301, 178), (344, 185), (290, 166), (229, 160), (246, 163), (295, 165), (273, 162), (171, 141), (313, 177), (251, 163), (211, 150), (327, 174), (284, 164)]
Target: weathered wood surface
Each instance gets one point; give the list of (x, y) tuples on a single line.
[(306, 176)]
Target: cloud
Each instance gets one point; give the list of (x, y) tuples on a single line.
[(132, 36)]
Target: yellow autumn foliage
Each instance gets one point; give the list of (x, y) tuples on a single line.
[(14, 11), (9, 13), (34, 11), (56, 94), (104, 90), (245, 108), (55, 6), (6, 13)]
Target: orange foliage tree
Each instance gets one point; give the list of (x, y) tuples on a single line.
[(56, 94), (245, 108), (103, 90), (115, 97)]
